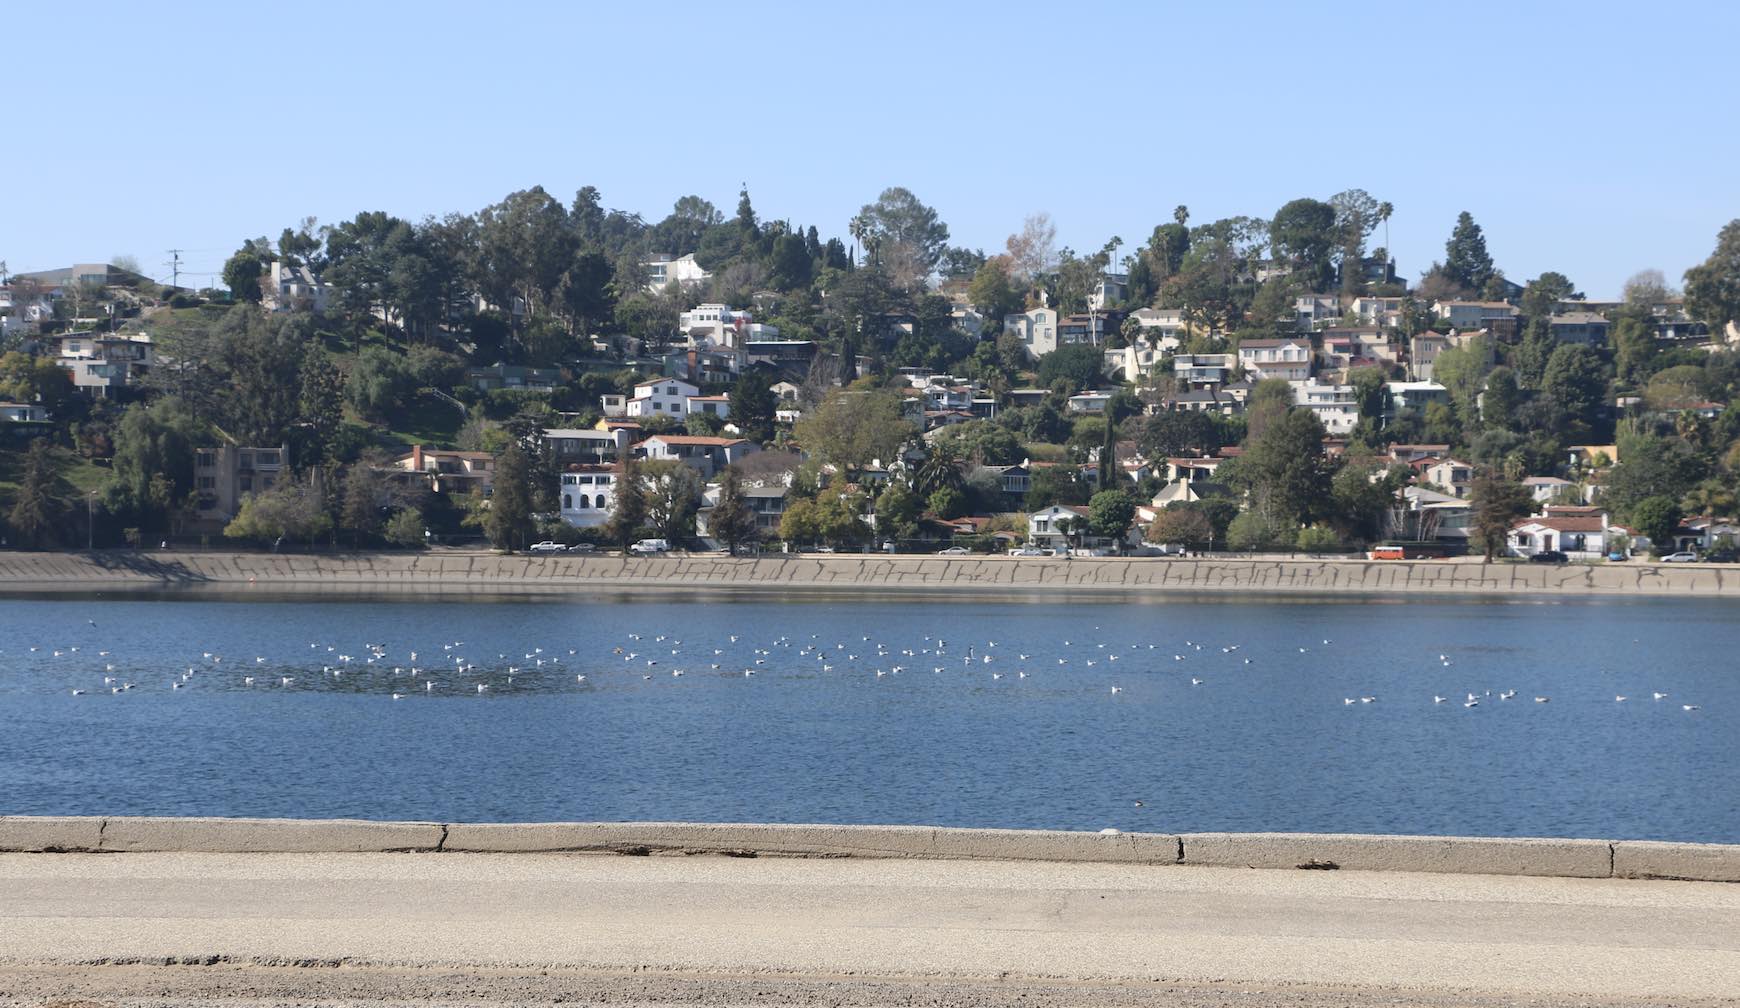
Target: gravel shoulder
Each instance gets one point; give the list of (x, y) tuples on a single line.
[(246, 986)]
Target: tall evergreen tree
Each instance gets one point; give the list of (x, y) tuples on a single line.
[(32, 518), (509, 522), (733, 521), (628, 509), (1466, 260)]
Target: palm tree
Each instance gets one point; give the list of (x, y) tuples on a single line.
[(1383, 214), (940, 471)]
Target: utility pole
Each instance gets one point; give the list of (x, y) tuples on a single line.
[(174, 265)]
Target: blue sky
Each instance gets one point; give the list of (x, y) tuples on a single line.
[(1595, 139)]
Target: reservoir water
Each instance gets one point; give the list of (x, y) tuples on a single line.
[(1221, 713)]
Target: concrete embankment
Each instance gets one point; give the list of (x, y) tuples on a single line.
[(437, 572), (1323, 851)]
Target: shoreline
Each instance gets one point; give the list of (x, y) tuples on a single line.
[(490, 573), (1522, 856)]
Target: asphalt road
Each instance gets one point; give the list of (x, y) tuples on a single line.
[(532, 929)]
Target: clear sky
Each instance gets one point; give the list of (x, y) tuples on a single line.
[(1592, 138)]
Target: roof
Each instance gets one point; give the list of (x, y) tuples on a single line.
[(589, 433), (708, 442), (1578, 318), (1544, 481), (709, 398), (662, 381), (1565, 524)]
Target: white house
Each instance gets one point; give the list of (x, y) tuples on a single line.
[(1289, 359), (589, 494), (294, 288), (587, 446), (661, 397), (1580, 537), (715, 405), (1167, 321), (1201, 371), (1314, 311), (22, 412), (1037, 330), (1057, 526), (706, 455), (663, 270), (1545, 489), (1474, 314), (1415, 395), (1336, 406), (1451, 474), (1385, 312), (99, 362)]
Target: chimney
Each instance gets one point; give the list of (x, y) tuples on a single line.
[(417, 458)]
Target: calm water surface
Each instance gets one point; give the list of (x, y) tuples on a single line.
[(1265, 740)]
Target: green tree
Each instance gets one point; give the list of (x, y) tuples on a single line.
[(733, 520), (1173, 433), (994, 292), (897, 511), (1180, 524), (1055, 484), (405, 528), (947, 503), (852, 428), (154, 442), (1371, 392), (1080, 364), (509, 523), (1544, 291), (289, 510), (981, 441), (1251, 531), (1713, 286), (1502, 398), (1110, 513), (1466, 261), (38, 380), (364, 493), (673, 493), (1657, 517), (37, 506), (799, 524), (1575, 384), (242, 274), (1303, 234), (1495, 502), (1284, 471), (1317, 539), (321, 405), (904, 235), (628, 506)]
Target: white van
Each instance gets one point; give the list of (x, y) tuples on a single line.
[(650, 546)]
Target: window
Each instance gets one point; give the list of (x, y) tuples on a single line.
[(245, 460), (267, 458), (584, 502), (204, 460), (207, 483), (247, 483), (567, 502)]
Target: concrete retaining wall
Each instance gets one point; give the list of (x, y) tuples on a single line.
[(475, 572), (1455, 855)]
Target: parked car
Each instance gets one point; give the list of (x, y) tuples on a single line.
[(1683, 556), (953, 551), (1549, 557), (547, 546), (582, 548), (1028, 551), (647, 546), (1721, 556)]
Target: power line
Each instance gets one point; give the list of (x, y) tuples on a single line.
[(174, 265)]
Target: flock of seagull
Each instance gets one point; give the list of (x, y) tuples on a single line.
[(449, 669)]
